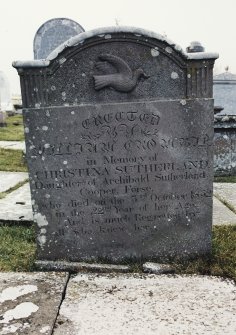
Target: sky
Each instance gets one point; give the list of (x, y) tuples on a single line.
[(211, 22)]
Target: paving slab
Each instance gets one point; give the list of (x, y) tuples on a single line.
[(138, 304), (226, 192), (16, 206), (14, 145), (29, 302), (10, 179), (222, 215)]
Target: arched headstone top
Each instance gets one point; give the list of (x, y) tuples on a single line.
[(158, 68), (104, 33), (52, 33)]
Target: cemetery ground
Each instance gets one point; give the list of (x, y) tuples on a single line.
[(56, 294), (18, 246), (119, 142)]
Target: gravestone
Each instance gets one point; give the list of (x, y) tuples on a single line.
[(2, 119), (5, 99), (119, 133), (225, 145), (53, 33)]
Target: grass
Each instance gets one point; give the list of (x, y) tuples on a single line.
[(225, 179), (12, 160), (222, 262), (13, 132), (17, 248), (17, 253)]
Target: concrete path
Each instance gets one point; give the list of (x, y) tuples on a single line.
[(11, 179), (16, 206), (117, 304), (138, 304), (222, 215), (226, 192), (14, 145)]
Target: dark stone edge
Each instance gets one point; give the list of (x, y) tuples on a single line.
[(10, 223), (80, 266)]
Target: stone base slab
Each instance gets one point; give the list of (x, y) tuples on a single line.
[(80, 266), (29, 302), (137, 304)]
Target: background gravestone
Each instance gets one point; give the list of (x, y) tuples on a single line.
[(5, 97), (53, 33), (2, 119), (119, 133)]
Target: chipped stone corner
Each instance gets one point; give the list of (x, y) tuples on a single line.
[(158, 268)]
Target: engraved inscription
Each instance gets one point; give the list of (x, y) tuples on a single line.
[(120, 175)]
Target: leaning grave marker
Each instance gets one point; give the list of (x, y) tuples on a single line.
[(119, 133)]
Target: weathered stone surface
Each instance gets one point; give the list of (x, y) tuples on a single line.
[(227, 193), (123, 196), (53, 33), (147, 304), (222, 215), (16, 206), (119, 132), (29, 302), (157, 268), (14, 145), (11, 179)]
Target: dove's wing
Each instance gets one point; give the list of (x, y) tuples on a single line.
[(103, 67), (121, 66)]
